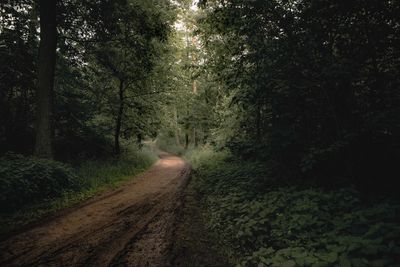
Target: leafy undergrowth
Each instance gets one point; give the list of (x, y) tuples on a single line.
[(33, 188), (270, 224), (169, 145), (32, 180), (195, 245)]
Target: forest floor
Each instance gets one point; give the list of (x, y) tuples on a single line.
[(129, 226)]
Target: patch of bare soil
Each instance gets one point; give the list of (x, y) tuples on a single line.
[(130, 226)]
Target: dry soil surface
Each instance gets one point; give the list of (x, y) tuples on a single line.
[(130, 226)]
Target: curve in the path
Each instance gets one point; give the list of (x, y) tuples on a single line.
[(130, 226)]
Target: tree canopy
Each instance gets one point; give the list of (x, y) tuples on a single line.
[(310, 87)]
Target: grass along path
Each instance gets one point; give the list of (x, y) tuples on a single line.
[(93, 177), (129, 226)]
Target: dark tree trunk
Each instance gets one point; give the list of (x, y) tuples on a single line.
[(258, 123), (119, 119), (177, 135), (195, 142), (139, 138), (186, 139), (46, 67)]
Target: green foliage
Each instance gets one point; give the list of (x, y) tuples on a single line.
[(312, 85), (32, 188), (100, 173), (18, 53), (100, 44), (197, 156), (190, 250), (30, 180), (168, 144), (125, 64), (294, 225)]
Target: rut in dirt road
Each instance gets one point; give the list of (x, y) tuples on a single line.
[(130, 226)]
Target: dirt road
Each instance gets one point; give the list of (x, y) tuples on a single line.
[(130, 226)]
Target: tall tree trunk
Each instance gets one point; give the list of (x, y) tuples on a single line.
[(46, 67), (186, 139), (187, 126), (177, 138), (258, 123), (195, 142), (119, 119), (194, 87), (139, 138)]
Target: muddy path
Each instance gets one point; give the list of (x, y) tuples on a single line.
[(130, 226)]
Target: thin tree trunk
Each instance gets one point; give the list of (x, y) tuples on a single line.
[(258, 123), (195, 142), (177, 138), (139, 138), (186, 139), (187, 127), (118, 123), (46, 68)]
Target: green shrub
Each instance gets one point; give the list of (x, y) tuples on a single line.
[(168, 144), (97, 173), (269, 223), (205, 155), (32, 188), (29, 180)]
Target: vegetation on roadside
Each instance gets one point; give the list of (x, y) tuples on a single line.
[(168, 144), (33, 188), (194, 243), (288, 111), (268, 222)]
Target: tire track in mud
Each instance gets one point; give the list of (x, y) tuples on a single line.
[(130, 226)]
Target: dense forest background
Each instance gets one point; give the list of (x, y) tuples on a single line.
[(108, 55), (313, 84), (314, 91), (298, 93)]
